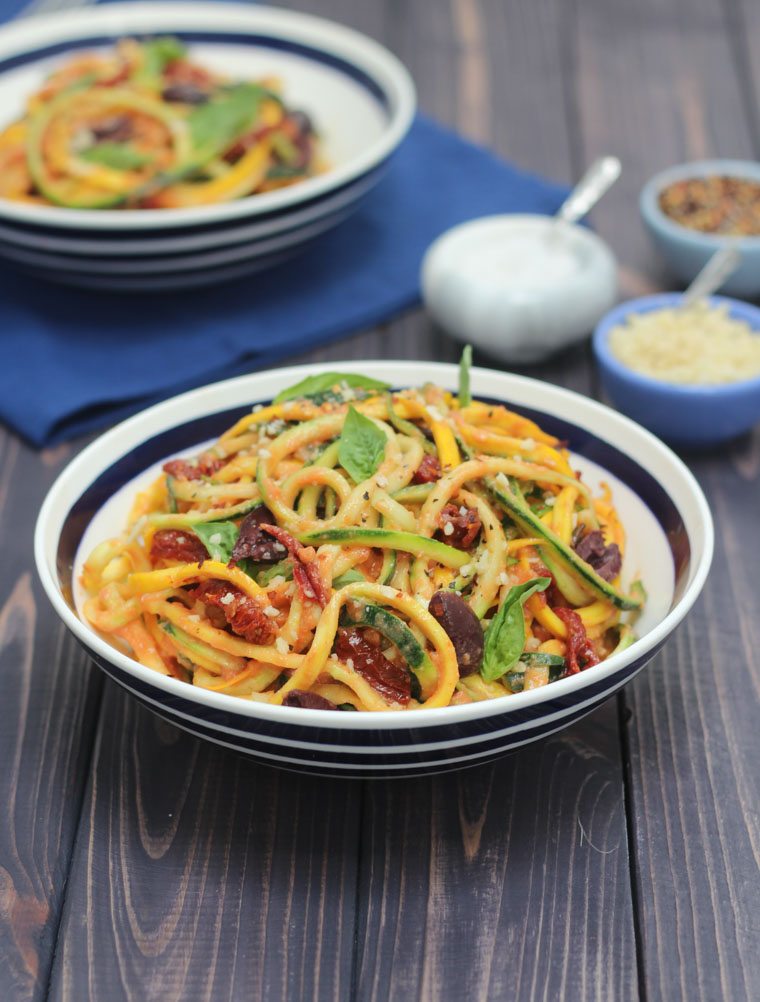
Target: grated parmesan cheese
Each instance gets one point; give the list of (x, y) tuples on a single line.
[(227, 599), (448, 529), (698, 345), (282, 645)]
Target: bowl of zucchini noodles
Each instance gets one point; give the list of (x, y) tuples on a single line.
[(151, 146), (383, 570)]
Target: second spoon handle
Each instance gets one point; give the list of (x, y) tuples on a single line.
[(600, 176), (713, 275)]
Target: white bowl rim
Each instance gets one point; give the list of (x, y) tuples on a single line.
[(329, 36), (748, 170), (158, 417)]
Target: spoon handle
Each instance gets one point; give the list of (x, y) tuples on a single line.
[(598, 179), (713, 275)]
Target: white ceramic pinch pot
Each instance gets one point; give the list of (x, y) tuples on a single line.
[(519, 287)]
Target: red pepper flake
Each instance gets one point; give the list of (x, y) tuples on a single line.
[(305, 573), (390, 680), (428, 471), (244, 615), (174, 544), (580, 652)]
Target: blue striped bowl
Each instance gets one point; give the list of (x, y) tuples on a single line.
[(359, 95), (670, 541)]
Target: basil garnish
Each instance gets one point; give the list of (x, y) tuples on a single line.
[(218, 538), (314, 385), (216, 124), (505, 636), (157, 54), (361, 446)]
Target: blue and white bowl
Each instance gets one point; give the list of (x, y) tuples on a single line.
[(670, 542), (359, 95)]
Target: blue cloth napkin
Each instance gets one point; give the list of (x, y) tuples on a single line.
[(76, 360)]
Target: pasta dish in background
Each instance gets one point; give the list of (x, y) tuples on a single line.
[(354, 547), (144, 126)]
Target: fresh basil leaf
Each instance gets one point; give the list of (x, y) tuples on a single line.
[(218, 537), (314, 385), (361, 446), (215, 125), (505, 637), (157, 54), (465, 397), (119, 156)]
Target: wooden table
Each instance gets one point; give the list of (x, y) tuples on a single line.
[(615, 861)]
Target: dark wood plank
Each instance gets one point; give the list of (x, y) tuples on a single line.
[(508, 881), (47, 720), (473, 884), (663, 84), (198, 875), (693, 738)]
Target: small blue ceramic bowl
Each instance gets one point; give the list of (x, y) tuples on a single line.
[(682, 415), (686, 250)]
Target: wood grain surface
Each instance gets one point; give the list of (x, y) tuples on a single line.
[(616, 860)]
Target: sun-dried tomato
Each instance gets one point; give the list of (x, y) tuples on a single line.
[(580, 653), (174, 544), (605, 559), (243, 614), (205, 465), (254, 543), (390, 680), (428, 471), (465, 524), (182, 71), (307, 700), (305, 572)]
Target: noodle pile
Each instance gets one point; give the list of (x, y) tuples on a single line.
[(348, 547)]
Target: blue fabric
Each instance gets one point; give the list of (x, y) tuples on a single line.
[(75, 360)]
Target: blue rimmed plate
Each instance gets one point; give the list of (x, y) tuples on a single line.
[(670, 542), (358, 94)]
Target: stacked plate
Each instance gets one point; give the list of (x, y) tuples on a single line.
[(360, 96)]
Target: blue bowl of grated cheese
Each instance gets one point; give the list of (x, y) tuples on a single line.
[(690, 375)]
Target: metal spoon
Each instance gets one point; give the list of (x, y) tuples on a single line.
[(723, 263), (597, 180)]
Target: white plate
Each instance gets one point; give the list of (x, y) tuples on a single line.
[(360, 96), (670, 541)]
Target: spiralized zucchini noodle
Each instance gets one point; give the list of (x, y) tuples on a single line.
[(357, 548), (144, 126)]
